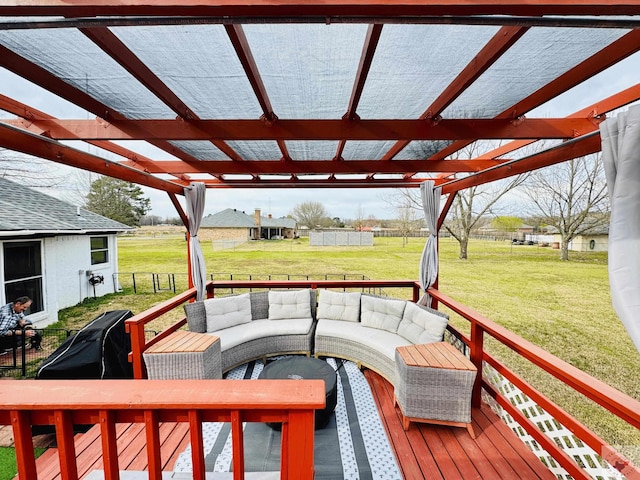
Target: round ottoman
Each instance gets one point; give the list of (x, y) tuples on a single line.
[(297, 368)]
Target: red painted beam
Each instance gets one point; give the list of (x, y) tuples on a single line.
[(368, 51), (268, 167), (571, 149), (600, 108), (39, 76), (328, 8), (608, 56), (490, 53), (42, 147), (446, 129), (31, 122)]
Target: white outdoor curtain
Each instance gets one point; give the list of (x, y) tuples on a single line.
[(621, 154), (429, 261), (195, 195)]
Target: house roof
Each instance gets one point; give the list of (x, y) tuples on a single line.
[(24, 210), (232, 218), (284, 93)]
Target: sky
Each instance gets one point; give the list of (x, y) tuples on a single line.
[(342, 203)]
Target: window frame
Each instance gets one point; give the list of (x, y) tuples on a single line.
[(106, 249)]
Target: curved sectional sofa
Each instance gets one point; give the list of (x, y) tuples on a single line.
[(351, 325)]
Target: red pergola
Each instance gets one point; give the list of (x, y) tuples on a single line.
[(237, 138)]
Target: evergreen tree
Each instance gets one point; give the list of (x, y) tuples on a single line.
[(118, 200)]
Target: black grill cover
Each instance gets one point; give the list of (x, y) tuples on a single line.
[(98, 350)]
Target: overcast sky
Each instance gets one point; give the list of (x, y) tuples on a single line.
[(343, 203)]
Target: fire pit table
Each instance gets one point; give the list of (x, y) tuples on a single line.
[(298, 368)]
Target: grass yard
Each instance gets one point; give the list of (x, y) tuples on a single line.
[(8, 468), (564, 307)]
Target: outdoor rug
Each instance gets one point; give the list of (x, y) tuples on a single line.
[(352, 446)]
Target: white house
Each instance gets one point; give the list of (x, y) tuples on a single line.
[(52, 251)]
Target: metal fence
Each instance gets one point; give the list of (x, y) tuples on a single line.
[(149, 282), (24, 361)]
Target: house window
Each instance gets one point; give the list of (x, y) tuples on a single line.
[(23, 273), (99, 250)]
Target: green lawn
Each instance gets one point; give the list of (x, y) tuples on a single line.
[(564, 307), (8, 468)]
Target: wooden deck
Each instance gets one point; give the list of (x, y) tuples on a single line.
[(423, 452)]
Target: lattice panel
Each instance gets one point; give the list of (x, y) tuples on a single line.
[(587, 458)]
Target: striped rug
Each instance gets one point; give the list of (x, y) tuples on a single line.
[(352, 446)]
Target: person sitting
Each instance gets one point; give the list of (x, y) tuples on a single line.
[(13, 323)]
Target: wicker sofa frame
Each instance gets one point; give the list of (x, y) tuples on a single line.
[(310, 343)]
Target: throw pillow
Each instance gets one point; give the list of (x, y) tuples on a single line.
[(381, 313), (289, 304), (339, 306), (227, 312), (420, 325)]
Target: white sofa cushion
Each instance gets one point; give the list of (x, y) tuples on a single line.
[(381, 341), (289, 305), (339, 306), (381, 313), (420, 326), (233, 336), (227, 312)]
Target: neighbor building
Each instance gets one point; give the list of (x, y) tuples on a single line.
[(55, 252), (235, 226)]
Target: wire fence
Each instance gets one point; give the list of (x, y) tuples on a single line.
[(150, 282), (24, 361)]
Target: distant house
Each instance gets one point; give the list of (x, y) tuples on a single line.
[(232, 225), (597, 240), (52, 251)]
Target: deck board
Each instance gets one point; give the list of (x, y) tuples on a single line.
[(424, 451)]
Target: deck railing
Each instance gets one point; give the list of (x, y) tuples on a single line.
[(109, 402), (619, 404)]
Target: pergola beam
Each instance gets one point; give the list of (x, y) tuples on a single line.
[(39, 76), (368, 51), (447, 129), (113, 46), (32, 119), (608, 56), (42, 147), (327, 8), (278, 167), (317, 183), (579, 147), (243, 51), (615, 101), (487, 56)]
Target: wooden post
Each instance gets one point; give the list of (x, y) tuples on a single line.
[(300, 434), (138, 343), (25, 457), (477, 350)]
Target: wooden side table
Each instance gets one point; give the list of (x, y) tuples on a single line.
[(184, 355), (434, 385)]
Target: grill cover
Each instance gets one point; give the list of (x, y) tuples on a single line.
[(98, 350)]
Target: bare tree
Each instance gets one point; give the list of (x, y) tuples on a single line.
[(310, 214), (572, 197), (470, 205), (33, 171), (408, 221), (359, 221)]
